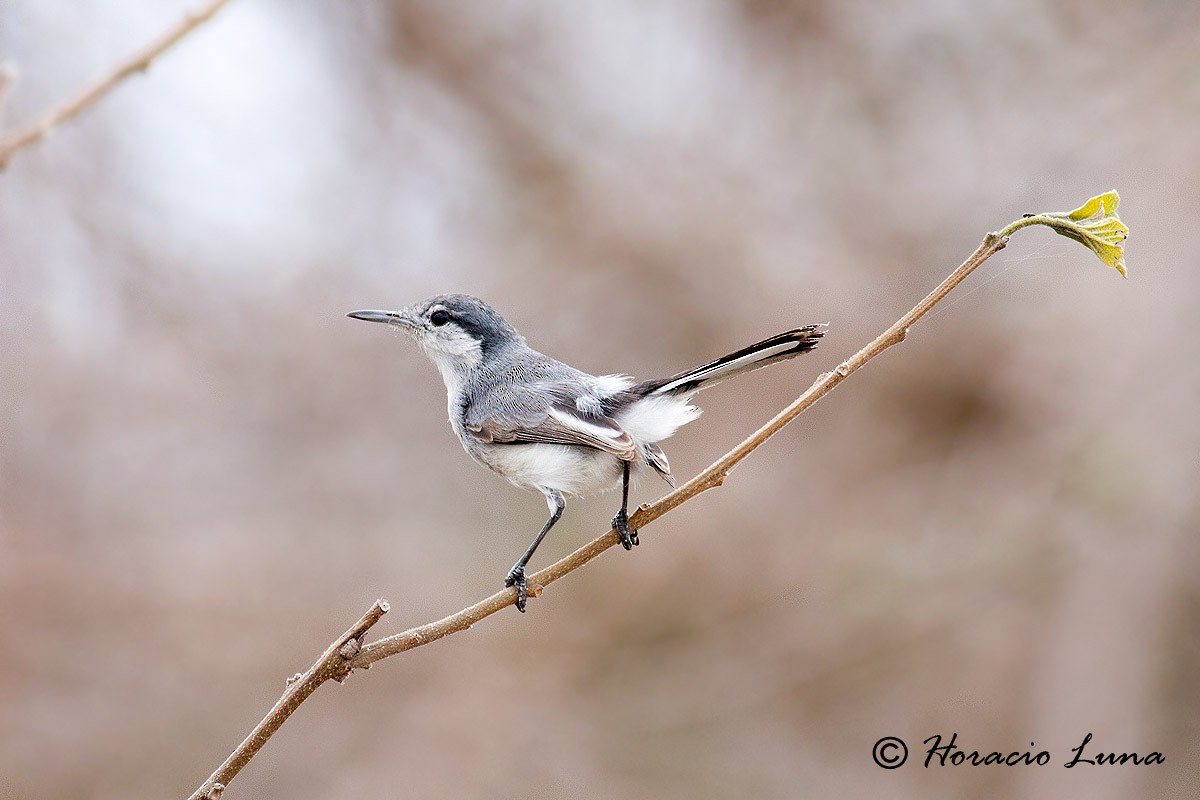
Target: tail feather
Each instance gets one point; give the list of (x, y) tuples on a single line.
[(777, 348)]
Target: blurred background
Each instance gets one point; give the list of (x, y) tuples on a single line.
[(207, 471)]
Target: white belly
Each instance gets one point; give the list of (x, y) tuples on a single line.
[(570, 469)]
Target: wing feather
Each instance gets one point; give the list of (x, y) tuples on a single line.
[(658, 459), (560, 422)]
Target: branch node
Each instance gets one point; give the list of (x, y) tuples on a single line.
[(843, 369), (294, 678), (995, 239), (215, 791), (350, 649), (895, 337)]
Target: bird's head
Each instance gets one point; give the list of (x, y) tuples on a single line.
[(456, 331)]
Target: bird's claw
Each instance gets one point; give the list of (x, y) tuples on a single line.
[(516, 577), (629, 536)]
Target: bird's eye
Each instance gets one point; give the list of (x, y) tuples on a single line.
[(439, 317)]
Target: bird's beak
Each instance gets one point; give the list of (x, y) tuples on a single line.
[(390, 317)]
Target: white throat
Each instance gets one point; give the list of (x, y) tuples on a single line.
[(455, 357)]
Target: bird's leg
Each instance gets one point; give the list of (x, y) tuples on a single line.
[(620, 522), (516, 575)]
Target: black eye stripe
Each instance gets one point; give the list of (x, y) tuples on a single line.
[(439, 317)]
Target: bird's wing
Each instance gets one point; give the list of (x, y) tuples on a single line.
[(540, 415), (658, 459)]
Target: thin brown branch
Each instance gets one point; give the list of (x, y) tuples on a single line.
[(137, 62), (339, 660), (334, 663)]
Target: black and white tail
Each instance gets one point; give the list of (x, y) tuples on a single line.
[(768, 351)]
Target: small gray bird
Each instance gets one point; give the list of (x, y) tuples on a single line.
[(549, 427)]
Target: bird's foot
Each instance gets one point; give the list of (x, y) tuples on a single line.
[(629, 536), (516, 577)]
